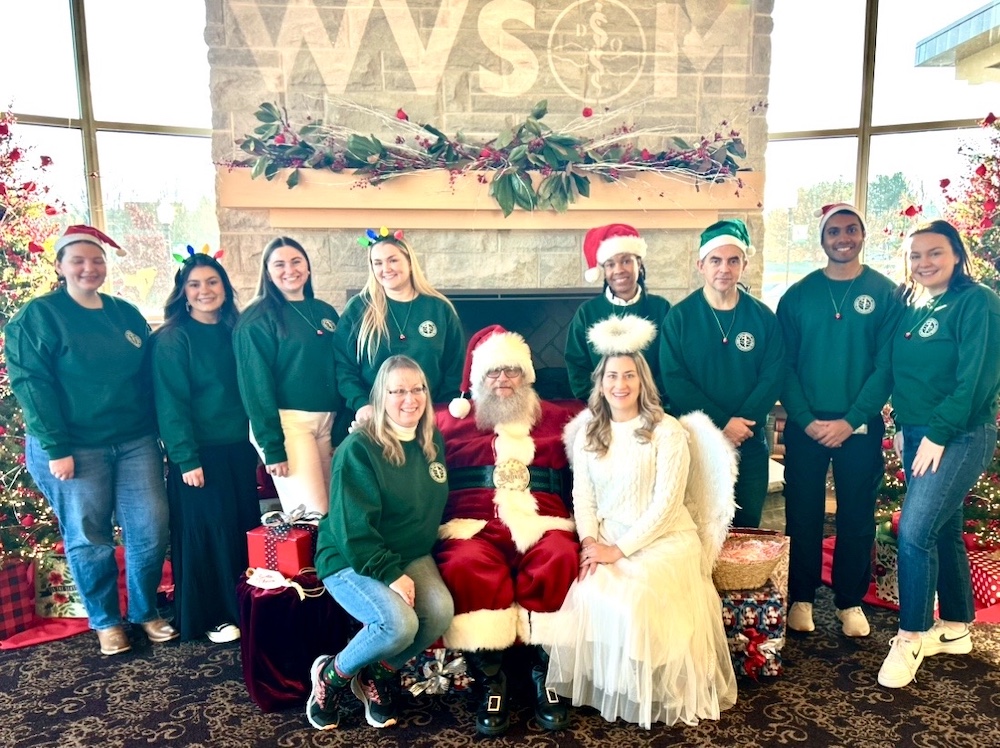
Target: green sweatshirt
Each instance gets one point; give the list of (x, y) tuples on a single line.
[(946, 375), (434, 340), (838, 368), (582, 359), (742, 377), (197, 396), (382, 517), (81, 375), (293, 370)]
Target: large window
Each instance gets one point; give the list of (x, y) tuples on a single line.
[(126, 119), (857, 114)]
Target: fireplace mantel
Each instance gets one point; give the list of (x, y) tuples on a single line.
[(429, 200)]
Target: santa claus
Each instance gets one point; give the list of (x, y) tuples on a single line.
[(508, 550)]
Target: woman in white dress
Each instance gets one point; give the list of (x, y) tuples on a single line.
[(641, 628)]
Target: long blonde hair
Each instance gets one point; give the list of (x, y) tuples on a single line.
[(374, 328), (378, 429), (650, 410)]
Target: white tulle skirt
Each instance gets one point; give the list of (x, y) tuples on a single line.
[(642, 639)]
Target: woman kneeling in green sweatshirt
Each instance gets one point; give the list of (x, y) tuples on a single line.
[(373, 554)]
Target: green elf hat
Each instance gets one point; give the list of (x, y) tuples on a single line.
[(727, 231)]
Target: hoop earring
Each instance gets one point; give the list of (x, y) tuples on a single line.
[(187, 307)]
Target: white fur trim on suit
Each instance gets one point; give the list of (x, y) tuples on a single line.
[(502, 349), (519, 511), (709, 496), (460, 529), (482, 629), (541, 628), (514, 442)]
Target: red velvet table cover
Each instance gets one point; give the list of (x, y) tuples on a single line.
[(282, 635)]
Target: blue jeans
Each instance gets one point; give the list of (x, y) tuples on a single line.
[(392, 632), (123, 483), (932, 556)]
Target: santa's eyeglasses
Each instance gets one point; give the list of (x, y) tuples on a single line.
[(512, 372)]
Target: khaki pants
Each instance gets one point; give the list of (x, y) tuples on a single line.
[(307, 444)]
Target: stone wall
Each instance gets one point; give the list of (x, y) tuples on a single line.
[(476, 66)]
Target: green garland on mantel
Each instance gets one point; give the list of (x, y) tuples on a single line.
[(565, 160)]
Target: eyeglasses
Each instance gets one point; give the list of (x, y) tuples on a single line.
[(512, 372), (416, 392)]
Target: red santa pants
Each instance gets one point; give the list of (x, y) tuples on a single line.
[(488, 572)]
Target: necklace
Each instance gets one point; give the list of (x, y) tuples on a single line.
[(934, 305), (836, 307), (725, 333), (401, 327), (309, 320)]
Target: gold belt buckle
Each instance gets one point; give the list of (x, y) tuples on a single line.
[(511, 474)]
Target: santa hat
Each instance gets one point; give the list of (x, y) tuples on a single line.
[(82, 233), (604, 242), (827, 211), (729, 231), (491, 348), (619, 336)]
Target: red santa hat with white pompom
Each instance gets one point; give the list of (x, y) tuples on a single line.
[(492, 347), (83, 233), (604, 242)]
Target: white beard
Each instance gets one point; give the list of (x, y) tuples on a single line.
[(524, 406)]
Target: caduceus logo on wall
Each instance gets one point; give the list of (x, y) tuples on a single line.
[(587, 62)]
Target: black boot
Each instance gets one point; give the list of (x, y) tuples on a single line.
[(493, 711), (550, 711)]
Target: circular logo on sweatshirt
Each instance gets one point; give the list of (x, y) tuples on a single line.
[(428, 329), (864, 304), (438, 472), (745, 342), (928, 328), (328, 324), (134, 339)]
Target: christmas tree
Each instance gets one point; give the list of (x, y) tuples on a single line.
[(27, 233)]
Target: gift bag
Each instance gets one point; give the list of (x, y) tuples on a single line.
[(17, 597), (285, 625), (56, 595)]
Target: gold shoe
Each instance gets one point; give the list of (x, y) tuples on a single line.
[(159, 631), (113, 640)]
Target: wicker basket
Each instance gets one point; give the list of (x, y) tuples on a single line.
[(732, 575)]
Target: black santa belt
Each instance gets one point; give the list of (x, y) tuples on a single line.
[(510, 474)]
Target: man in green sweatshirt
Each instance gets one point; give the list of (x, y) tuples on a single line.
[(837, 324)]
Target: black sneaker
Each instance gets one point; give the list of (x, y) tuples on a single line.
[(378, 698), (323, 706)]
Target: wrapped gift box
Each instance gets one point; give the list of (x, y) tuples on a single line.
[(435, 671), (282, 549), (886, 569), (56, 595), (755, 627), (985, 568), (17, 597)]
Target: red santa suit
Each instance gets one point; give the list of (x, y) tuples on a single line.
[(508, 549)]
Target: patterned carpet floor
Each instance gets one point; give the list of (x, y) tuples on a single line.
[(65, 695)]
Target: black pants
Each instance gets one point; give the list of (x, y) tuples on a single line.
[(858, 469), (751, 485)]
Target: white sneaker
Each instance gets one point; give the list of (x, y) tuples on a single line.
[(941, 638), (800, 617), (900, 665), (224, 632), (853, 621)]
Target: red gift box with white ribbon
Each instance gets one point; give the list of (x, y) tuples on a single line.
[(286, 542)]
